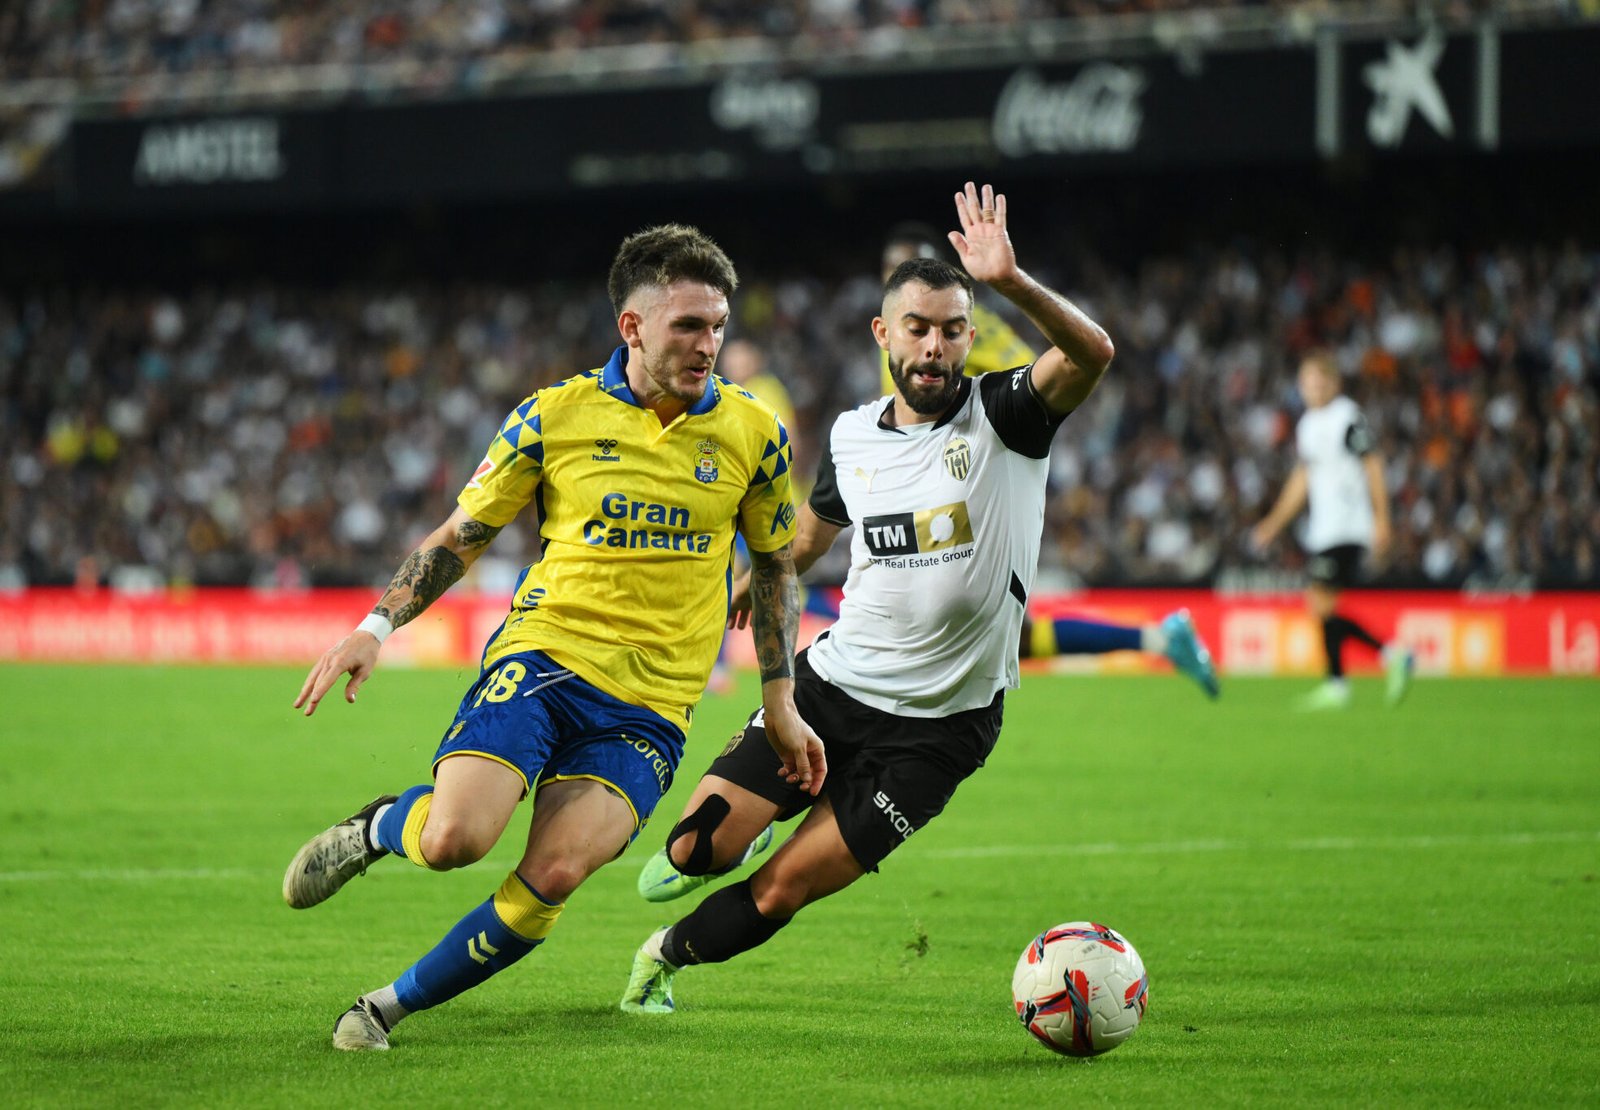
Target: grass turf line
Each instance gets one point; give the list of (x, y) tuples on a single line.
[(1373, 906)]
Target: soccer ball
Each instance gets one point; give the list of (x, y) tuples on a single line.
[(1080, 988)]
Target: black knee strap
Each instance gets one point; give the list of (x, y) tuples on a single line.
[(704, 821)]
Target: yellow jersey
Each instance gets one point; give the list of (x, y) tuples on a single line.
[(998, 347), (637, 526)]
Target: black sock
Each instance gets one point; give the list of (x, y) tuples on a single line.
[(721, 927), (1333, 634), (1335, 631), (1355, 632)]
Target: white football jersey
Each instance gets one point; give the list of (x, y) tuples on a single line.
[(948, 519), (1332, 441)]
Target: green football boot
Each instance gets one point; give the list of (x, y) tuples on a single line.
[(659, 881), (1399, 664), (650, 986), (1332, 694)]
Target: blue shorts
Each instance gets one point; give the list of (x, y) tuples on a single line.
[(547, 724)]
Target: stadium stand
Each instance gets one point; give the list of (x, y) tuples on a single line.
[(282, 435)]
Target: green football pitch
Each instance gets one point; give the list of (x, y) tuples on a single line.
[(1374, 907)]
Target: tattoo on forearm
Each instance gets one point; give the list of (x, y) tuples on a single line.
[(473, 533), (775, 612), (419, 582)]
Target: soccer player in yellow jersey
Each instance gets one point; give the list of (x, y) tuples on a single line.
[(641, 472)]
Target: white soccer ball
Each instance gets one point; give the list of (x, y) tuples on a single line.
[(1080, 988)]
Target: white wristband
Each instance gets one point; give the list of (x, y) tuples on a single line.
[(379, 626)]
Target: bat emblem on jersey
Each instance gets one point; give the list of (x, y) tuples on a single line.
[(866, 476), (958, 459)]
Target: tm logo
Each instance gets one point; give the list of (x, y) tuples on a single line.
[(923, 531), (904, 827), (605, 449)]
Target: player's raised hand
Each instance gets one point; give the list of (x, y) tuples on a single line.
[(805, 761), (983, 243), (355, 655)]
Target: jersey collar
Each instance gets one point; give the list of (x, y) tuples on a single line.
[(614, 381), (963, 391)]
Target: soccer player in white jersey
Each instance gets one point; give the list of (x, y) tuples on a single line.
[(641, 471), (1340, 474), (996, 348), (945, 483)]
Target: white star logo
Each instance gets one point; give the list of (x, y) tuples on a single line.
[(1401, 82)]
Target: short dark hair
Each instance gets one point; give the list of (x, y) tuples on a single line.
[(661, 255), (932, 272)]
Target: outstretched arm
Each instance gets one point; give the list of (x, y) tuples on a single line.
[(775, 626), (436, 565), (1065, 375)]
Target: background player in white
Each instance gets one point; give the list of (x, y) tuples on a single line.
[(1340, 474), (945, 482)]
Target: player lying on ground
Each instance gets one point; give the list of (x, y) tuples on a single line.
[(643, 469), (945, 482)]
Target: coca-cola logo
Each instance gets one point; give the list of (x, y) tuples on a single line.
[(1097, 110), (780, 112)]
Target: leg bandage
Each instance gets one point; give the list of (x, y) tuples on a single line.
[(703, 822)]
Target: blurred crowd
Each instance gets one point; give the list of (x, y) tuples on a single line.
[(294, 436), (132, 38)]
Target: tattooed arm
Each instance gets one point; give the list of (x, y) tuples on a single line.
[(775, 625), (812, 538), (436, 565)]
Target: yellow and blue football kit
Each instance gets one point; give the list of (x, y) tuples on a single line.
[(637, 523), (998, 347), (613, 632), (610, 639)]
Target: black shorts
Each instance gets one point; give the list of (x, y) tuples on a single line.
[(1339, 567), (887, 775)]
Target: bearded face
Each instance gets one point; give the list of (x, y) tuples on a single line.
[(928, 387), (928, 335)]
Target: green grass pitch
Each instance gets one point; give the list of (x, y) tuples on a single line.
[(1375, 907)]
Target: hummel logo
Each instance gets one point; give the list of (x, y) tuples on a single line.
[(480, 949), (605, 447)]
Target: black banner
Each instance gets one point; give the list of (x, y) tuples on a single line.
[(1426, 92), (262, 159)]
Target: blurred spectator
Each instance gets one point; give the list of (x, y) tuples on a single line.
[(451, 42), (291, 437)]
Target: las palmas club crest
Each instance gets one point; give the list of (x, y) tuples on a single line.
[(705, 467)]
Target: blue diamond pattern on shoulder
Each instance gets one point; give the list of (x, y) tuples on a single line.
[(776, 459), (522, 431)]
